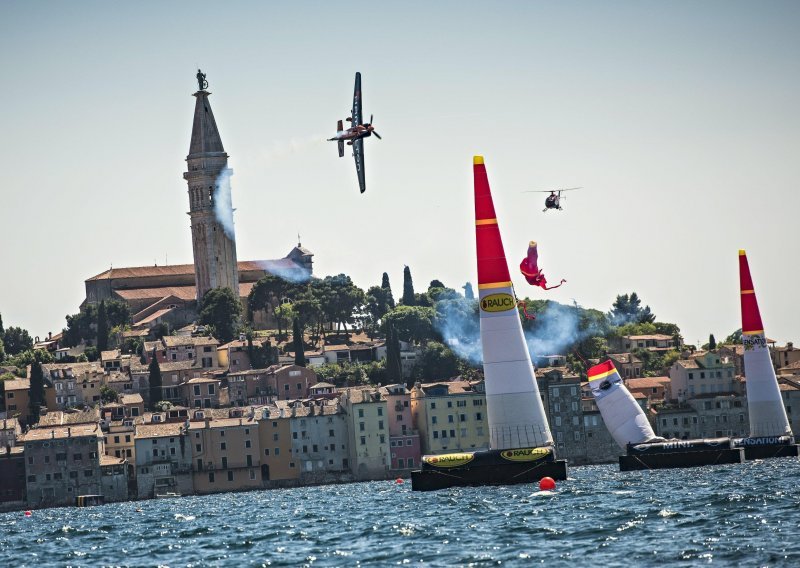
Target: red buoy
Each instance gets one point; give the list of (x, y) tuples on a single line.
[(28, 513), (399, 480), (547, 484)]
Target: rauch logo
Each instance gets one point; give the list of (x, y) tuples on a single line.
[(498, 303)]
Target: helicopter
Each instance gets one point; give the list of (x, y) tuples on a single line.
[(553, 201)]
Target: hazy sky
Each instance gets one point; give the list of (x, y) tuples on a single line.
[(680, 119)]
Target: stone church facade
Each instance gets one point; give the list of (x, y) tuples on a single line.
[(170, 294)]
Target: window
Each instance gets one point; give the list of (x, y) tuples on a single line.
[(383, 439), (433, 406), (277, 451), (172, 451), (433, 419), (558, 421), (224, 463), (247, 444), (198, 448), (211, 389), (399, 418), (230, 475), (88, 473), (450, 418), (361, 426), (197, 390), (32, 478), (408, 442), (286, 386), (252, 474), (116, 439), (435, 434), (380, 411), (401, 463), (449, 404), (410, 462), (461, 403), (363, 440), (380, 424), (331, 433), (557, 407), (275, 437), (74, 474), (77, 457), (223, 446), (478, 416), (462, 417), (211, 477), (298, 386), (361, 413)]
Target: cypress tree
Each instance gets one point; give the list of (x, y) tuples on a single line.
[(36, 392), (299, 350), (102, 327), (2, 331), (385, 285), (468, 293), (408, 288), (712, 343), (155, 381), (394, 369)]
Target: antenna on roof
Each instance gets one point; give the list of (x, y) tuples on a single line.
[(298, 239)]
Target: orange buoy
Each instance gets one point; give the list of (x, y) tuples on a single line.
[(399, 480), (547, 484), (28, 513)]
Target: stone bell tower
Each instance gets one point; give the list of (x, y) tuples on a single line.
[(213, 239)]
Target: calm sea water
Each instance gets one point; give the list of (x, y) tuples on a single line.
[(731, 515)]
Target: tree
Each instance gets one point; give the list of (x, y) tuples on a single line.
[(37, 391), (735, 337), (627, 309), (107, 394), (385, 285), (16, 340), (436, 362), (269, 293), (2, 330), (435, 284), (299, 351), (468, 293), (378, 302), (102, 327), (412, 323), (2, 349), (394, 368), (155, 381), (340, 299), (220, 309), (712, 343), (408, 288)]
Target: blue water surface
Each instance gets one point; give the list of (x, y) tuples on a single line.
[(746, 515)]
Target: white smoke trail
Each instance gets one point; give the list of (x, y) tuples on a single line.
[(223, 205), (281, 149), (294, 273), (555, 330)]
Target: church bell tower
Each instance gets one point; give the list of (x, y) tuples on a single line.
[(213, 243)]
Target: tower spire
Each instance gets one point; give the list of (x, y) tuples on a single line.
[(213, 244)]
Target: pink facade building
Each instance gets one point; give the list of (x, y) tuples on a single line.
[(403, 439)]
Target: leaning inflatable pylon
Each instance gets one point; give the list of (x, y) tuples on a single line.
[(764, 402)]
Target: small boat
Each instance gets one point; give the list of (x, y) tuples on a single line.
[(89, 500), (168, 495)]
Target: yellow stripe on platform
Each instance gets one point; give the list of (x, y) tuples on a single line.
[(491, 285), (754, 332), (601, 375), (476, 160), (741, 252), (748, 291), (479, 222)]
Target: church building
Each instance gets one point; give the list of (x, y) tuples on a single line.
[(170, 294)]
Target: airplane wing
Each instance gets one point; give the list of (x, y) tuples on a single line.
[(358, 153), (357, 119)]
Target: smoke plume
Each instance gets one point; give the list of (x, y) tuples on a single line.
[(223, 206), (286, 270)]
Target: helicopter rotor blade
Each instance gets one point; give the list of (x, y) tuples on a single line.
[(377, 135)]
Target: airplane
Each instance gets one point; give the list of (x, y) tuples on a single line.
[(355, 134), (553, 200)]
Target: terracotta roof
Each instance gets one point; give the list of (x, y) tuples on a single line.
[(183, 340), (647, 382), (154, 316), (9, 424), (246, 421), (61, 418), (791, 367), (159, 430), (62, 432), (110, 460), (687, 363), (184, 269), (323, 386), (17, 384), (131, 399), (197, 380), (19, 450)]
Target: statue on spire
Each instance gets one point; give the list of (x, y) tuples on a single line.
[(201, 80)]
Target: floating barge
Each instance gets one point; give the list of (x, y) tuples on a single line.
[(487, 467), (520, 441), (681, 453), (768, 447)]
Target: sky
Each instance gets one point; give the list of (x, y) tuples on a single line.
[(678, 119)]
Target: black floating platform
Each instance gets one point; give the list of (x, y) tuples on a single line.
[(681, 453), (768, 447), (489, 467)]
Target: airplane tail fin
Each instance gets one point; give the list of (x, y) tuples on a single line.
[(339, 126), (341, 148)]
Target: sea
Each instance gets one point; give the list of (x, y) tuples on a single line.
[(738, 515)]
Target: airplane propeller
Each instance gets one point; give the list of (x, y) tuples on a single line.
[(371, 128)]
